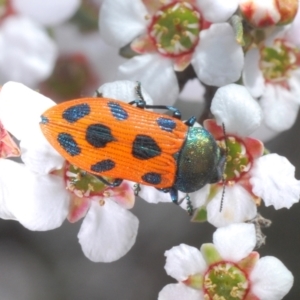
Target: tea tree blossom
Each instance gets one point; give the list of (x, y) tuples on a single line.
[(170, 35), (272, 73), (249, 176), (226, 269), (52, 189)]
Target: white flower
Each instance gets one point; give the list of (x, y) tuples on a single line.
[(27, 52), (212, 50), (35, 194), (272, 74), (249, 176), (209, 273)]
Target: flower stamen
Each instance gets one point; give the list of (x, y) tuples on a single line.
[(175, 29)]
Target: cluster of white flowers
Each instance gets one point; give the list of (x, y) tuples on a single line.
[(247, 50)]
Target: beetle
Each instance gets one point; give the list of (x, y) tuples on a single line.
[(110, 138)]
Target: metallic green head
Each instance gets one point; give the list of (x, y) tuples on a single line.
[(200, 161)]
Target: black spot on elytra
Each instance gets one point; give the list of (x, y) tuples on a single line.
[(76, 112), (152, 178), (118, 111), (68, 143), (166, 124), (145, 147), (98, 135), (103, 165)]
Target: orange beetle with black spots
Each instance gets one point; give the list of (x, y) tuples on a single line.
[(110, 138)]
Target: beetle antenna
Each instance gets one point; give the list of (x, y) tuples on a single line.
[(223, 175), (138, 91)]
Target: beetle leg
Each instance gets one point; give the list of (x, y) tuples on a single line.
[(189, 205), (136, 189), (98, 95), (116, 183), (174, 195), (190, 122), (141, 103)]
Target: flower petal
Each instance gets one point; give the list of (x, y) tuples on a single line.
[(184, 261), (124, 90), (252, 75), (47, 13), (21, 107), (218, 58), (236, 241), (156, 75), (30, 53), (122, 194), (234, 107), (273, 179), (121, 21), (179, 291), (37, 202), (107, 232), (79, 207), (20, 111), (238, 206), (271, 280), (279, 107), (217, 10)]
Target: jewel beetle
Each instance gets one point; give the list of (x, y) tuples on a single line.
[(110, 138)]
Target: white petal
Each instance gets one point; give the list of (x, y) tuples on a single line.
[(264, 133), (29, 53), (294, 85), (235, 241), (47, 13), (238, 206), (217, 10), (193, 91), (121, 21), (156, 74), (273, 179), (197, 198), (252, 74), (123, 90), (37, 202), (183, 261), (5, 212), (218, 58), (279, 107), (234, 107), (271, 280), (21, 108), (179, 291), (108, 232), (37, 154), (20, 111)]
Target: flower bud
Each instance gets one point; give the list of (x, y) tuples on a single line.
[(266, 13)]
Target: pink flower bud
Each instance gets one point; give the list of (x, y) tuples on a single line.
[(268, 12)]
